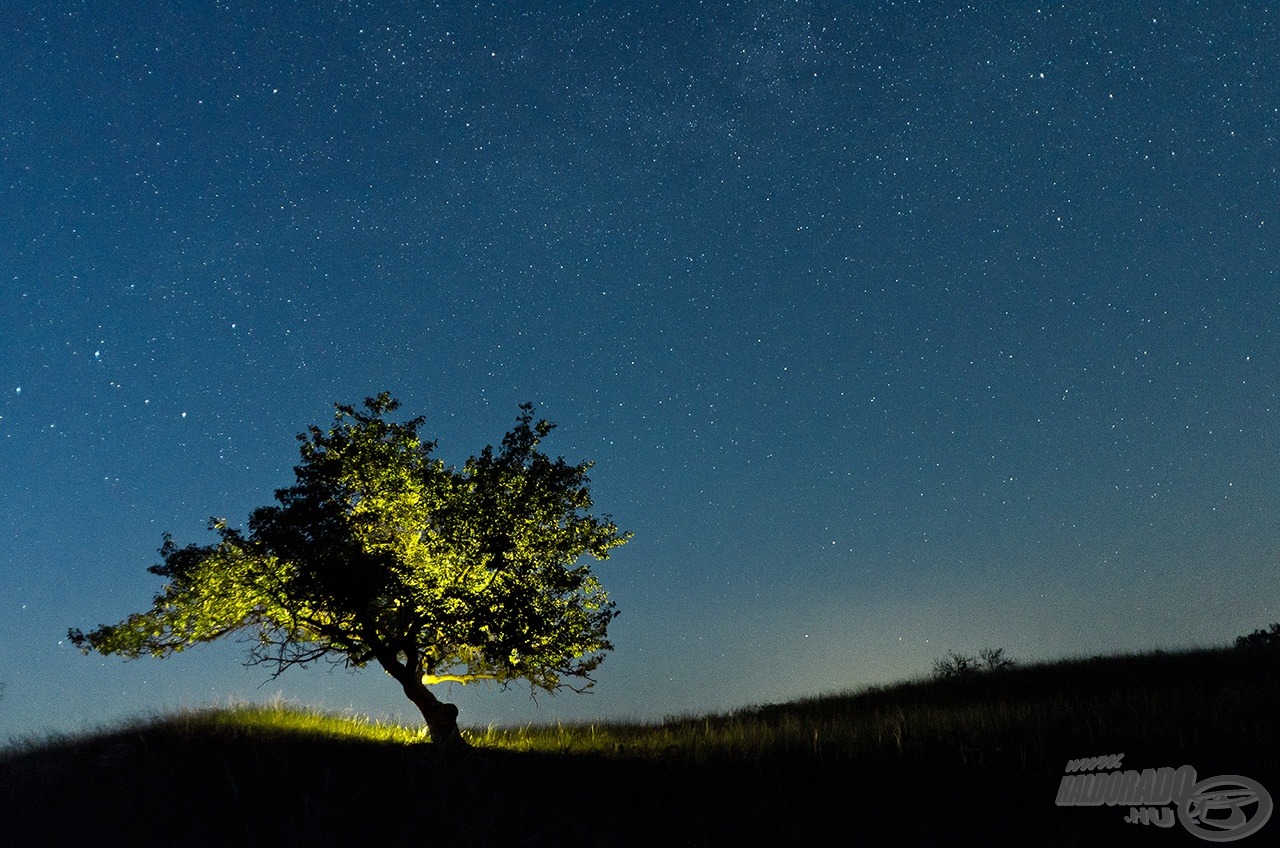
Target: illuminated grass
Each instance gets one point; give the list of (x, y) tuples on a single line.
[(282, 719)]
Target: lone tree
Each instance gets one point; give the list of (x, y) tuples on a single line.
[(380, 553)]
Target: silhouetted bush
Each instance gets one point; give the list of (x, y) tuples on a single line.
[(1269, 638), (963, 665)]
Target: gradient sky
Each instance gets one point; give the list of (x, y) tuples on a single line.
[(893, 328)]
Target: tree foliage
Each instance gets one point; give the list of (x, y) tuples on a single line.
[(380, 553)]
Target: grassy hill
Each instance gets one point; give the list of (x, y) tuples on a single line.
[(973, 760)]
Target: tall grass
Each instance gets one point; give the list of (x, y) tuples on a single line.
[(1135, 701), (1203, 702)]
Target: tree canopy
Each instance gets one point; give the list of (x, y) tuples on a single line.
[(380, 553)]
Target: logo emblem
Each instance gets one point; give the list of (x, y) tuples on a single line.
[(1225, 808)]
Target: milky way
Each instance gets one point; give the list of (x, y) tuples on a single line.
[(892, 329)]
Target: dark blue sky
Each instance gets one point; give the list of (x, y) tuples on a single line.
[(893, 328)]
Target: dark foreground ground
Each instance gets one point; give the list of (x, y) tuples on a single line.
[(966, 762)]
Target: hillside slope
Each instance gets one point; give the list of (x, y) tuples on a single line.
[(972, 761)]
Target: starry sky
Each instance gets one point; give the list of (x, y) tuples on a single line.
[(893, 328)]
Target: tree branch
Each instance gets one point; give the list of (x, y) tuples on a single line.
[(464, 679)]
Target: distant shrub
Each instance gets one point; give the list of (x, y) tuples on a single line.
[(963, 665), (1269, 638), (994, 659), (954, 665)]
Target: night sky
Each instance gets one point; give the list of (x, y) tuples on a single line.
[(893, 328)]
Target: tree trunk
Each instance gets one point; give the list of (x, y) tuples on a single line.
[(441, 718)]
